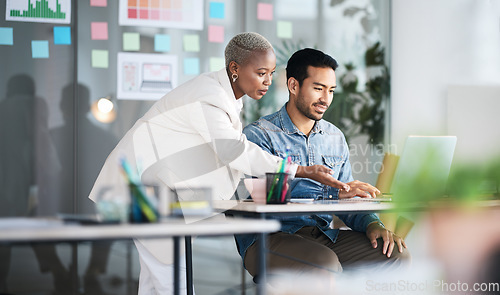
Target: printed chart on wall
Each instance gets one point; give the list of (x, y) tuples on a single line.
[(179, 14), (41, 11), (145, 76)]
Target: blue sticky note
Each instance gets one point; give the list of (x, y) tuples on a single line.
[(6, 36), (191, 66), (216, 10), (62, 35), (40, 49), (162, 43)]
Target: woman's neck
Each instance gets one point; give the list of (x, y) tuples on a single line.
[(236, 90)]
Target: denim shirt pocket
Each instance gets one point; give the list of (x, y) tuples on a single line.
[(293, 157), (334, 163)]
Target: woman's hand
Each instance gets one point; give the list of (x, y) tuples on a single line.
[(321, 174)]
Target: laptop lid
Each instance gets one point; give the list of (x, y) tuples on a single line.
[(424, 166)]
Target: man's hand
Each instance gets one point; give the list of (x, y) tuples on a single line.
[(359, 189), (321, 174), (375, 231)]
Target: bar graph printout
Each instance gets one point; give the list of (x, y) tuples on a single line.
[(41, 11), (179, 14)]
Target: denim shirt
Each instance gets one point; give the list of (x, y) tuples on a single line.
[(325, 145)]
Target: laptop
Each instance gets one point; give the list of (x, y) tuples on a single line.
[(424, 167)]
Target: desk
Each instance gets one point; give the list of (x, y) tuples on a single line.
[(260, 210), (28, 230)]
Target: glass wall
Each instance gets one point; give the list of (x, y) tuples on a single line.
[(52, 145)]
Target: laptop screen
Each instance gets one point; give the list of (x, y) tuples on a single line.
[(424, 166)]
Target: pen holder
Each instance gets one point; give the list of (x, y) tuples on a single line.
[(278, 188), (144, 203)]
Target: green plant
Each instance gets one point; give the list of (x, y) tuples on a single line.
[(362, 112), (466, 184)]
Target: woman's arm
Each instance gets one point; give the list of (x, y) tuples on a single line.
[(321, 174)]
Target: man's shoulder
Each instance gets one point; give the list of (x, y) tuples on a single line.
[(329, 128)]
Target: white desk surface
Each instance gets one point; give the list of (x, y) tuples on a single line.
[(342, 207), (251, 207), (46, 229)]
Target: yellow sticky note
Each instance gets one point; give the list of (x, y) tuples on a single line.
[(100, 59), (284, 29), (191, 43), (131, 42)]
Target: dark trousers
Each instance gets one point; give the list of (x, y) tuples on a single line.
[(310, 250)]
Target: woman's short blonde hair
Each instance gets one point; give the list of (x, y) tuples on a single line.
[(243, 45)]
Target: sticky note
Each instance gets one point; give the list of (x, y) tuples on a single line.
[(62, 35), (284, 29), (216, 63), (100, 3), (264, 11), (216, 34), (100, 58), (99, 31), (191, 66), (162, 43), (191, 43), (131, 42), (216, 10), (6, 36), (40, 49)]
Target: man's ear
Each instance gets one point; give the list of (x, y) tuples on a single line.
[(293, 85)]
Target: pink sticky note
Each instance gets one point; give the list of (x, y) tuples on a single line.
[(100, 3), (216, 34), (265, 11), (99, 31)]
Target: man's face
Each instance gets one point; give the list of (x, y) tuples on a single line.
[(316, 93)]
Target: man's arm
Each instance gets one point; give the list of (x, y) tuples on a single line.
[(368, 223)]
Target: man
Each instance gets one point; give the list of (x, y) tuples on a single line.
[(308, 243)]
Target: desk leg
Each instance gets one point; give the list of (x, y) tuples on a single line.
[(189, 266), (74, 268), (176, 266), (261, 284)]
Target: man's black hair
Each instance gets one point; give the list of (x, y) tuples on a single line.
[(300, 60)]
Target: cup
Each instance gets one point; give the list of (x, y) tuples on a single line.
[(112, 211), (110, 207), (278, 188), (257, 189)]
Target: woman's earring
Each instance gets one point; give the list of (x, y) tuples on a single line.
[(235, 77)]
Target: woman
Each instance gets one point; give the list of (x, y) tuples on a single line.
[(192, 137)]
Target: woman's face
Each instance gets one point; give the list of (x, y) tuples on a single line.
[(256, 75)]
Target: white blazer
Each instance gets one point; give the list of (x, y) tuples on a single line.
[(192, 137)]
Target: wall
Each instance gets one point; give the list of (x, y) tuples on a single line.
[(436, 44)]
